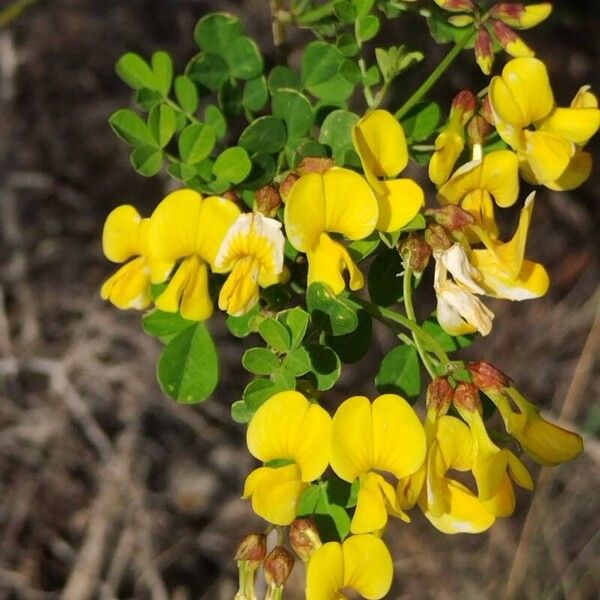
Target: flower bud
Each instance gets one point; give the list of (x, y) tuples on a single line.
[(304, 537), (510, 41), (437, 237), (231, 195), (484, 51), (267, 200), (478, 130), (487, 377), (277, 566), (416, 252), (486, 110), (439, 395), (516, 14), (315, 164), (252, 548), (451, 217), (464, 105), (456, 5), (287, 184), (466, 397)]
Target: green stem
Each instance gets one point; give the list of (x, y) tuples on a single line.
[(368, 93), (410, 313), (386, 314), (435, 75)]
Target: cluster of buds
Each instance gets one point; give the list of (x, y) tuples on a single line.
[(417, 249), (497, 24), (277, 565)]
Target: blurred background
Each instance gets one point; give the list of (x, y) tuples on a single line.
[(110, 490)]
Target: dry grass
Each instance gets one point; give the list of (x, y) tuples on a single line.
[(108, 489)]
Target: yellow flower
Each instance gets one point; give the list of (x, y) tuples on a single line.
[(476, 185), (504, 271), (253, 251), (519, 16), (459, 311), (336, 201), (546, 443), (287, 427), (383, 436), (361, 563), (547, 139), (379, 140), (450, 143), (188, 228), (125, 236)]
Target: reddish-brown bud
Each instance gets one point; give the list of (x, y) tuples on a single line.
[(486, 110), (231, 195), (416, 252), (287, 184), (438, 237), (478, 130), (451, 217), (464, 104), (267, 201), (484, 51), (315, 164), (278, 566), (304, 537), (252, 548), (439, 395), (508, 11), (487, 377), (466, 397)]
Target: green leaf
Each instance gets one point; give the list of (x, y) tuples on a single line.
[(347, 45), (363, 6), (188, 369), (131, 128), (400, 373), (162, 67), (296, 320), (360, 249), (344, 11), (394, 60), (232, 165), (328, 505), (275, 334), (418, 223), (450, 343), (230, 98), (260, 361), (325, 366), (240, 412), (208, 70), (186, 94), (216, 32), (135, 72), (196, 142), (351, 347), (372, 76), (215, 118), (366, 28), (266, 135), (148, 99), (421, 121), (164, 324), (264, 169), (255, 94), (162, 123), (147, 161), (385, 278), (336, 132), (330, 312), (283, 77), (442, 31), (298, 362), (244, 325), (244, 59), (295, 110), (320, 68), (258, 391)]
